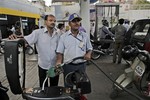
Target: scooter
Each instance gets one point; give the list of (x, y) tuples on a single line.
[(129, 58), (29, 50), (97, 52), (3, 92), (2, 47), (138, 73), (15, 72)]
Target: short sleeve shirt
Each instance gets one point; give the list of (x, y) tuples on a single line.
[(70, 46), (46, 46), (120, 32)]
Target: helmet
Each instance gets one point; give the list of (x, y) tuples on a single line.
[(129, 52), (105, 22)]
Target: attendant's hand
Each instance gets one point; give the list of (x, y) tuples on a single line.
[(58, 64), (87, 56), (59, 59)]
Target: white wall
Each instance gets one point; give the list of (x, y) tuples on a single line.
[(22, 6), (138, 14), (132, 15), (62, 10)]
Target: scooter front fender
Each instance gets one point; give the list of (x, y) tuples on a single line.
[(124, 81)]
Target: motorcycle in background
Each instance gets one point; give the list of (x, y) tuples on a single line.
[(101, 47), (97, 52), (138, 73), (129, 58)]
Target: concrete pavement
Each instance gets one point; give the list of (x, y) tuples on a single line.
[(101, 85)]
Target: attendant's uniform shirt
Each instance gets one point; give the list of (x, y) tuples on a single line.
[(46, 46), (70, 46)]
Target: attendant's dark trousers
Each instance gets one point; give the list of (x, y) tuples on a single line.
[(42, 75)]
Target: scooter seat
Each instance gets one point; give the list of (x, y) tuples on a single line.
[(49, 93)]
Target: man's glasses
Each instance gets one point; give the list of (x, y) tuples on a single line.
[(75, 20)]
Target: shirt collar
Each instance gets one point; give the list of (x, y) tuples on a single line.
[(46, 31), (69, 32)]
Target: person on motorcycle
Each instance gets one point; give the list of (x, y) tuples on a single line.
[(120, 32), (105, 35), (72, 44), (104, 31)]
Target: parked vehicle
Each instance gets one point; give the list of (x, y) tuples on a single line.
[(101, 47), (129, 60), (139, 34), (138, 73), (28, 49)]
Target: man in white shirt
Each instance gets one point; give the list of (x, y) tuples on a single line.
[(46, 40), (72, 44)]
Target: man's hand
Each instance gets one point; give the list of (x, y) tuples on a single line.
[(87, 56), (14, 36)]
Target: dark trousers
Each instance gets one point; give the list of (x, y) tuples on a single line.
[(42, 76), (117, 50)]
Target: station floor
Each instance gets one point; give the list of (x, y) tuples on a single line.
[(101, 85)]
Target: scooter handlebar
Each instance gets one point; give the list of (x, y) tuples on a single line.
[(76, 59), (56, 70), (146, 54)]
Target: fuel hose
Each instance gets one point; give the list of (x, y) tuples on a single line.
[(126, 90)]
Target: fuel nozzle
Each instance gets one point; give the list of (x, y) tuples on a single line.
[(54, 71)]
